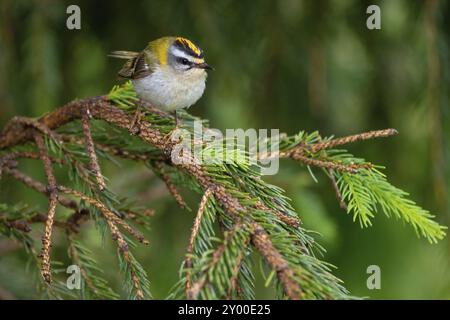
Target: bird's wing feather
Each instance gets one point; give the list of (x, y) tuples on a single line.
[(123, 54), (137, 65)]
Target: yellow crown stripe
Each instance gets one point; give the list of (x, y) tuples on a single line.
[(189, 43)]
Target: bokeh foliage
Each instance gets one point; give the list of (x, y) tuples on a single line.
[(290, 65)]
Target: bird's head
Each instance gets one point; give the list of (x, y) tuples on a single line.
[(181, 54)]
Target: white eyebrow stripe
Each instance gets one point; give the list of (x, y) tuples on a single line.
[(180, 54)]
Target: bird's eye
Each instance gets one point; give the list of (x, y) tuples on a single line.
[(183, 61)]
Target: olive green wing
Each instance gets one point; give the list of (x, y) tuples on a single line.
[(138, 65)]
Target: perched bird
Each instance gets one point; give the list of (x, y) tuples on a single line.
[(170, 72)]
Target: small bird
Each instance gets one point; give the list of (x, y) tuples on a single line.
[(170, 72)]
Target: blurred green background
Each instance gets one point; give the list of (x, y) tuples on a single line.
[(293, 65)]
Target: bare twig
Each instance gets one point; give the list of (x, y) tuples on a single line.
[(342, 203), (24, 154), (19, 224), (21, 123), (53, 200), (325, 164), (90, 148), (38, 186), (353, 138), (170, 186), (194, 232), (115, 151)]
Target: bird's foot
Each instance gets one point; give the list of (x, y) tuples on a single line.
[(135, 123)]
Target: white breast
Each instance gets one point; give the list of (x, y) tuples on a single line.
[(169, 89)]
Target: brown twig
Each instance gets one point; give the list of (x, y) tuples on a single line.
[(115, 151), (107, 214), (289, 220), (124, 251), (79, 213), (112, 220), (53, 200), (21, 123), (170, 185), (74, 221), (24, 225), (353, 138), (18, 224), (195, 289), (262, 242), (24, 154), (90, 148), (234, 283), (325, 164), (194, 232), (339, 197), (38, 186)]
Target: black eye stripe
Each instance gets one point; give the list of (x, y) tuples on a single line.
[(184, 61)]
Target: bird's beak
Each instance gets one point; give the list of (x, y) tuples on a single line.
[(204, 65)]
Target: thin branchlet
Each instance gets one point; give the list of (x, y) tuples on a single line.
[(159, 166), (53, 200), (90, 148), (353, 138), (20, 130), (194, 232), (338, 193), (107, 213)]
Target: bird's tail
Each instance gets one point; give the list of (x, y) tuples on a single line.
[(127, 55)]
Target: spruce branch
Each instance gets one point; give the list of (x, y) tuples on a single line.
[(324, 164), (83, 258), (262, 242), (216, 264), (254, 214), (107, 213), (371, 189), (333, 143)]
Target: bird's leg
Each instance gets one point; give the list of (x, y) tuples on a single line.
[(134, 126), (178, 124), (177, 120)]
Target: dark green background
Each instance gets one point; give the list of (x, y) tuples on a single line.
[(292, 65)]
